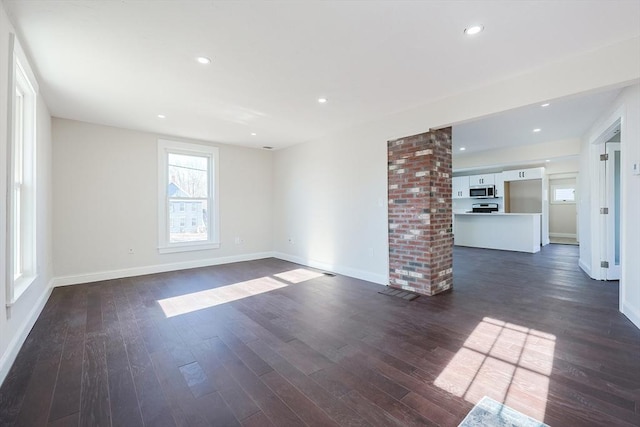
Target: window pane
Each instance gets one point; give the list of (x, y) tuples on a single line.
[(188, 225), (564, 194), (188, 176), (17, 233)]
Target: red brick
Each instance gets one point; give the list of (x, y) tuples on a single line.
[(429, 156)]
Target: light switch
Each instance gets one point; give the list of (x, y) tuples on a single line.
[(635, 168)]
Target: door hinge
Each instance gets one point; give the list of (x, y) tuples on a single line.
[(604, 264), (604, 211), (604, 157)]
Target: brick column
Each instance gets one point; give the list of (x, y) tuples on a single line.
[(420, 233)]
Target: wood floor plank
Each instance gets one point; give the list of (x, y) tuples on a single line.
[(334, 408), (68, 421), (95, 406), (234, 396), (153, 403), (216, 410), (66, 398), (305, 408), (258, 419), (278, 412), (196, 379), (35, 407), (125, 410)]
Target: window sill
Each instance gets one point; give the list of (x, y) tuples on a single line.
[(188, 247), (20, 287)]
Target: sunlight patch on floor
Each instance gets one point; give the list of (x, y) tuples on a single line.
[(194, 301), (509, 363)]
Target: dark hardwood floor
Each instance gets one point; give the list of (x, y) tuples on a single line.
[(261, 348)]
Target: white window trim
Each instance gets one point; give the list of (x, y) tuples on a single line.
[(16, 287), (164, 148)]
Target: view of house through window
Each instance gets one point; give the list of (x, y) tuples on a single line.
[(188, 193)]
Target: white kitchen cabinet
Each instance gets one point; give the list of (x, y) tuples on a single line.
[(460, 187), (499, 185), (487, 179), (522, 174)]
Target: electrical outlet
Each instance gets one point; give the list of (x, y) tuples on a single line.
[(291, 242), (239, 240)]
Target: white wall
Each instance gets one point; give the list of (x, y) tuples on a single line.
[(105, 202), (330, 199), (16, 322), (626, 105)]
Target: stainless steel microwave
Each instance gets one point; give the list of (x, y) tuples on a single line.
[(482, 191)]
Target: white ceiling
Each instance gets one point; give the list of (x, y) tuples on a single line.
[(122, 63), (563, 119)]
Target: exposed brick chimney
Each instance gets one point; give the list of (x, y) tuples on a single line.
[(420, 233)]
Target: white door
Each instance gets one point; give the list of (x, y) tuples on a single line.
[(610, 200)]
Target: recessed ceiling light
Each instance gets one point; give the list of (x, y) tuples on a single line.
[(253, 134), (463, 148), (536, 130), (474, 29), (547, 160), (322, 100), (546, 104), (203, 60), (162, 116)]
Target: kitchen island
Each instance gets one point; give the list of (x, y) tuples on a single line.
[(498, 230)]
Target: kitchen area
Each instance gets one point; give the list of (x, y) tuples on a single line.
[(505, 210)]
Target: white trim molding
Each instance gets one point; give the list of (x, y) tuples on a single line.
[(378, 279), (10, 354), (77, 279), (585, 267), (631, 314), (565, 235)]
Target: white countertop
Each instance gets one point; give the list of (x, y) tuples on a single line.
[(493, 213)]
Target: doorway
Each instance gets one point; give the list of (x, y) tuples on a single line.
[(610, 161), (563, 213)]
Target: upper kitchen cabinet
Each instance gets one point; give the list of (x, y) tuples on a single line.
[(488, 179), (460, 187), (522, 174), (499, 192)]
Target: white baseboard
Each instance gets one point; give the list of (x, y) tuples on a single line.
[(565, 235), (151, 269), (10, 354), (379, 279), (585, 267), (631, 314)]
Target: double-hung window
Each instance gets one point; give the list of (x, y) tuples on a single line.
[(21, 206), (188, 197)]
